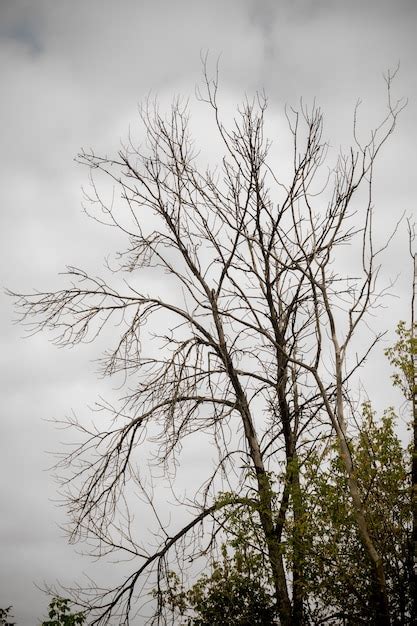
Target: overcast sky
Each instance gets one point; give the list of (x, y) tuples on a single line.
[(72, 74)]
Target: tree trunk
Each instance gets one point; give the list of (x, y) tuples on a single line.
[(263, 482), (380, 587), (413, 358), (298, 570), (339, 423)]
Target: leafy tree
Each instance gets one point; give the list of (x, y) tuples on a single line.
[(338, 574), (5, 617), (60, 614), (338, 586), (236, 591), (403, 356)]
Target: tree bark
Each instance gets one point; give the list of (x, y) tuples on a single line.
[(264, 488), (413, 358)]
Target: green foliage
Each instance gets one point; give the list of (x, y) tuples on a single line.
[(60, 614), (238, 588), (338, 576), (402, 355), (235, 592), (5, 617), (323, 542)]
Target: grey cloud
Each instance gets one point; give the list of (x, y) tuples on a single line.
[(20, 24), (72, 74)]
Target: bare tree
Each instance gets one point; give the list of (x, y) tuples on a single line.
[(253, 351)]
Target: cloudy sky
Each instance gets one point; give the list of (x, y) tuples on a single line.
[(72, 74)]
